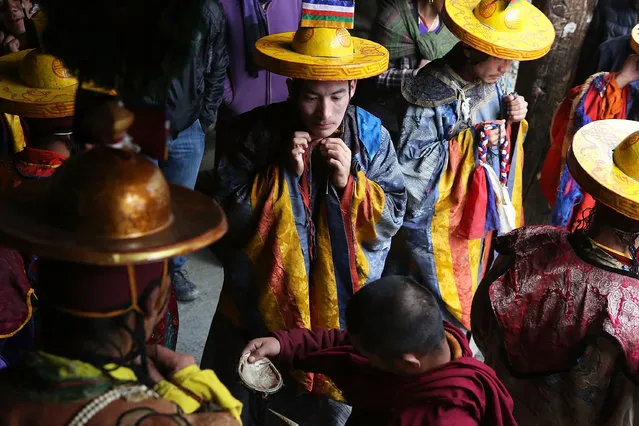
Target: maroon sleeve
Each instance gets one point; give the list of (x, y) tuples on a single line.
[(434, 415), (298, 345)]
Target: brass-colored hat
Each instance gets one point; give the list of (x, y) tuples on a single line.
[(108, 206)]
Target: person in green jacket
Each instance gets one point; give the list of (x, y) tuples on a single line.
[(414, 34)]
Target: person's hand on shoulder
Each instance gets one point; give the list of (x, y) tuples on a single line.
[(165, 363), (629, 72), (264, 347)]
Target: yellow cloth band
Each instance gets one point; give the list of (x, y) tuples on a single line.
[(201, 383), (17, 133), (171, 392)]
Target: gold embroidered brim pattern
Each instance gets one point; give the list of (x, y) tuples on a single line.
[(532, 40), (275, 54), (19, 99), (590, 161)]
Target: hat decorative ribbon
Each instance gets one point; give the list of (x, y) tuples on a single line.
[(328, 13)]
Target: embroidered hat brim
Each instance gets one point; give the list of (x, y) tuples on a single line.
[(531, 39), (275, 53), (590, 161)]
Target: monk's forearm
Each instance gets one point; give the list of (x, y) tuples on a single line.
[(298, 345)]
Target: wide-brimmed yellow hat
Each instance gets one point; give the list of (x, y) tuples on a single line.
[(505, 29), (322, 48), (604, 160), (36, 85)]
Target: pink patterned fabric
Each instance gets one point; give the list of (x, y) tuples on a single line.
[(14, 292), (551, 300)]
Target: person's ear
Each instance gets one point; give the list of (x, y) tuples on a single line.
[(412, 361), (466, 50), (353, 84)]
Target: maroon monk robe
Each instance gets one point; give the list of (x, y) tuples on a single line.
[(462, 392)]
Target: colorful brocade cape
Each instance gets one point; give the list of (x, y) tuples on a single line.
[(165, 332), (296, 251), (560, 329), (438, 155), (599, 98)]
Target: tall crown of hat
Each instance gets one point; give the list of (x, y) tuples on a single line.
[(508, 29), (322, 48)]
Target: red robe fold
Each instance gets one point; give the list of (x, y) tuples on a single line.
[(461, 392)]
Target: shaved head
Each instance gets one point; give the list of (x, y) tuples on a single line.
[(394, 316)]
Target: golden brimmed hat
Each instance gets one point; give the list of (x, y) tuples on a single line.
[(504, 29), (36, 85), (634, 39), (604, 160), (109, 207), (322, 48)]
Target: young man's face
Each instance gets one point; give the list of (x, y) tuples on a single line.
[(492, 69), (323, 104)]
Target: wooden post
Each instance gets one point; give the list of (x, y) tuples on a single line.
[(544, 83)]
